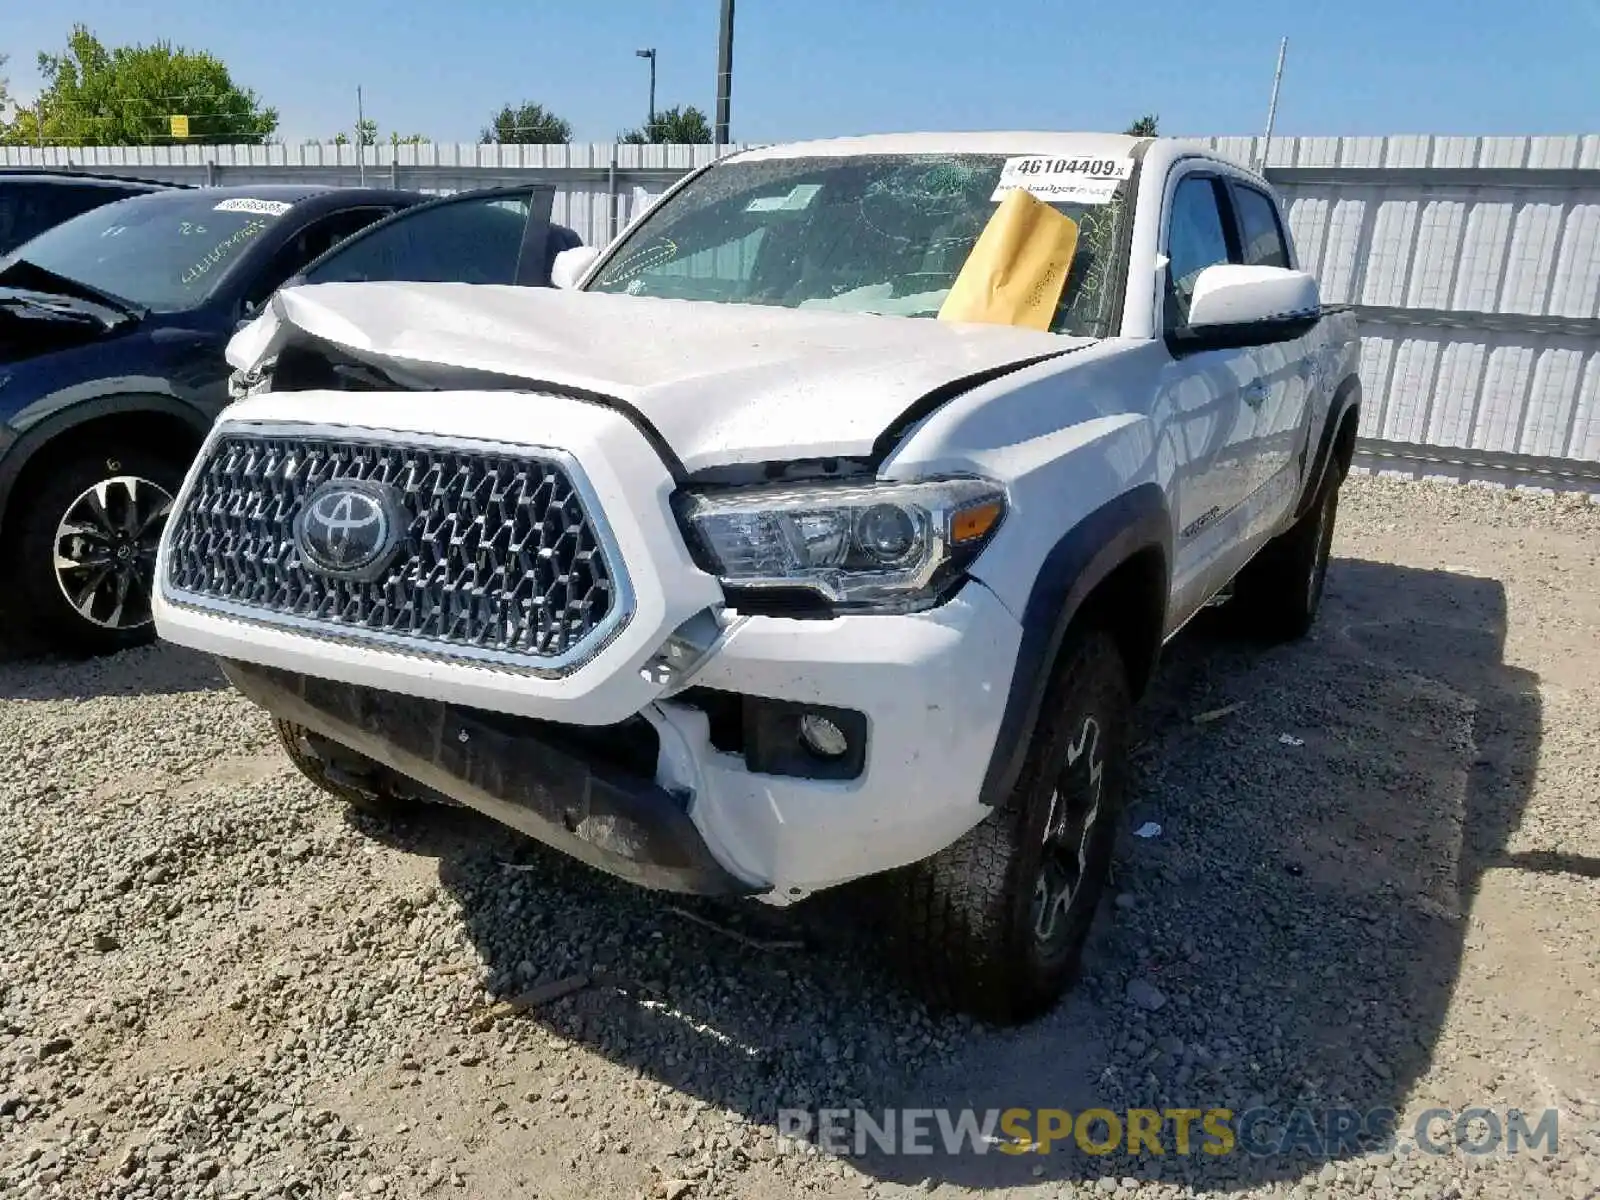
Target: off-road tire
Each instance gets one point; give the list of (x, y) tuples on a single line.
[(43, 615), (321, 763), (964, 927), (1278, 594)]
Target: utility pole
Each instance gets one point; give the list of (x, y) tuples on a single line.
[(361, 129), (650, 123), (724, 76), (1272, 106), (38, 116)]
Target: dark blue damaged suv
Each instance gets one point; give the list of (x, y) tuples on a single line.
[(113, 328), (112, 331)]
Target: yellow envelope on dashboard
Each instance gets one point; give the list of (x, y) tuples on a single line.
[(1017, 267)]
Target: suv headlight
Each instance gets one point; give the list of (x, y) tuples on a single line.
[(882, 546)]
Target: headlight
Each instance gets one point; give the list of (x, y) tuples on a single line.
[(883, 546)]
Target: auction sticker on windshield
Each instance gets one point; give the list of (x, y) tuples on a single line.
[(262, 208), (795, 200), (1064, 180)]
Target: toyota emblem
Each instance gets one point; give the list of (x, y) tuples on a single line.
[(350, 529)]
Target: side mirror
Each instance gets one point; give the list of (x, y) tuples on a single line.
[(1236, 305), (570, 265)]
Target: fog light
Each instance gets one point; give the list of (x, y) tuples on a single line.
[(822, 737), (803, 741)]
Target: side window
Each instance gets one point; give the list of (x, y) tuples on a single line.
[(465, 241), (1264, 244), (26, 211), (310, 243), (1196, 239)]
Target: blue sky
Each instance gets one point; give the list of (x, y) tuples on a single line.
[(814, 68)]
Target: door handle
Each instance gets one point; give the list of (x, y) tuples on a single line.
[(1255, 393)]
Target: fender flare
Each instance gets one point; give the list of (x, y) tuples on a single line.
[(1346, 397), (1110, 536), (31, 441)]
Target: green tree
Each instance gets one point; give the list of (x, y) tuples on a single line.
[(1145, 126), (368, 132), (527, 124), (128, 95), (682, 126), (5, 93)]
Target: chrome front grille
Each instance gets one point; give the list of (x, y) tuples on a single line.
[(502, 557)]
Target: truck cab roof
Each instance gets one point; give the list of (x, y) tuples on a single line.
[(1156, 153)]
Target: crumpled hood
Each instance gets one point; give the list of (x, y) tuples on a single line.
[(721, 383)]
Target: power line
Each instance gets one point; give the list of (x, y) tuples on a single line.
[(179, 97)]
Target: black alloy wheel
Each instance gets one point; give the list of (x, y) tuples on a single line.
[(105, 550), (81, 537)]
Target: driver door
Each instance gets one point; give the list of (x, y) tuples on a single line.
[(1210, 398), (498, 236)]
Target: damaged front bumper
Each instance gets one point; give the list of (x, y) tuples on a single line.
[(725, 800), (630, 827), (681, 798)]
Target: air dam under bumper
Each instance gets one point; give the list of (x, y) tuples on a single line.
[(631, 828)]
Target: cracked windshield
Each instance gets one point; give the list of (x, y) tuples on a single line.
[(872, 234)]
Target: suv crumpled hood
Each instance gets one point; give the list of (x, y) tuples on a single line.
[(721, 383)]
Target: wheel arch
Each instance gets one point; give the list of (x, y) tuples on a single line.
[(1337, 443), (1112, 569), (155, 423)]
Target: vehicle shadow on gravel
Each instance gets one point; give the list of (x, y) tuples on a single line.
[(156, 670), (1327, 812)]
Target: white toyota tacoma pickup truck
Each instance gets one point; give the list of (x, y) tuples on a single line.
[(731, 568)]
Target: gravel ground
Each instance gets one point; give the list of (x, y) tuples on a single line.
[(1375, 885)]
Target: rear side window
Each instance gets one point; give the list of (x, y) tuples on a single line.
[(1264, 244)]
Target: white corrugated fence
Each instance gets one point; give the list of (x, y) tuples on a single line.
[(1474, 265)]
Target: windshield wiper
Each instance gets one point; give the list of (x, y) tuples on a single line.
[(65, 285), (50, 306)]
